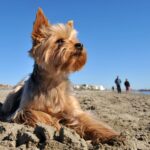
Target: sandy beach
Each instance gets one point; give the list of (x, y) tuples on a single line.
[(127, 113)]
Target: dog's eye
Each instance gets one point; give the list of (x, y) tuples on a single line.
[(60, 42)]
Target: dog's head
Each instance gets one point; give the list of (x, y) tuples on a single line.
[(56, 47)]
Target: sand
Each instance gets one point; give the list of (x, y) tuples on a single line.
[(127, 113)]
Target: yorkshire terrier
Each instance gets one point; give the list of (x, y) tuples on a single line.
[(45, 97)]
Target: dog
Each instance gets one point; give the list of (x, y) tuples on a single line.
[(45, 96)]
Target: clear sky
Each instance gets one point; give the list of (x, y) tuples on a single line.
[(116, 34)]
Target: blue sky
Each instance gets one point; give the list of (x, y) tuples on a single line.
[(116, 34)]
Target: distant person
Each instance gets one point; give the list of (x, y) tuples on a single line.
[(118, 84), (127, 85), (113, 88)]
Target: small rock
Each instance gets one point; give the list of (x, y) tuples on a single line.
[(26, 138), (44, 132), (71, 138), (9, 137), (2, 129)]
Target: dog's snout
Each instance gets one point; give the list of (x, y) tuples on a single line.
[(79, 46)]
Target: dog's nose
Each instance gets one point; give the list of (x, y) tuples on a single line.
[(79, 46)]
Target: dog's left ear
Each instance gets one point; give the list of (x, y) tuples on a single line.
[(40, 21), (70, 24)]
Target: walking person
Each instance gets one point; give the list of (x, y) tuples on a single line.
[(127, 85), (113, 88), (118, 84)]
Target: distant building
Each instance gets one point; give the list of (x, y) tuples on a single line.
[(88, 87)]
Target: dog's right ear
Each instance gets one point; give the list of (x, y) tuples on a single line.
[(40, 21)]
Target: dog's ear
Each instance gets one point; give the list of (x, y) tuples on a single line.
[(70, 24), (40, 21)]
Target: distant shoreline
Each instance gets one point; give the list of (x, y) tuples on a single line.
[(145, 92), (140, 91)]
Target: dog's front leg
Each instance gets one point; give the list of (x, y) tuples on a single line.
[(32, 117), (86, 126), (92, 129)]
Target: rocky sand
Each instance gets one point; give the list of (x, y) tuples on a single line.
[(127, 113)]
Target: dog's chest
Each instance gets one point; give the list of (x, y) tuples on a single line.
[(51, 101)]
